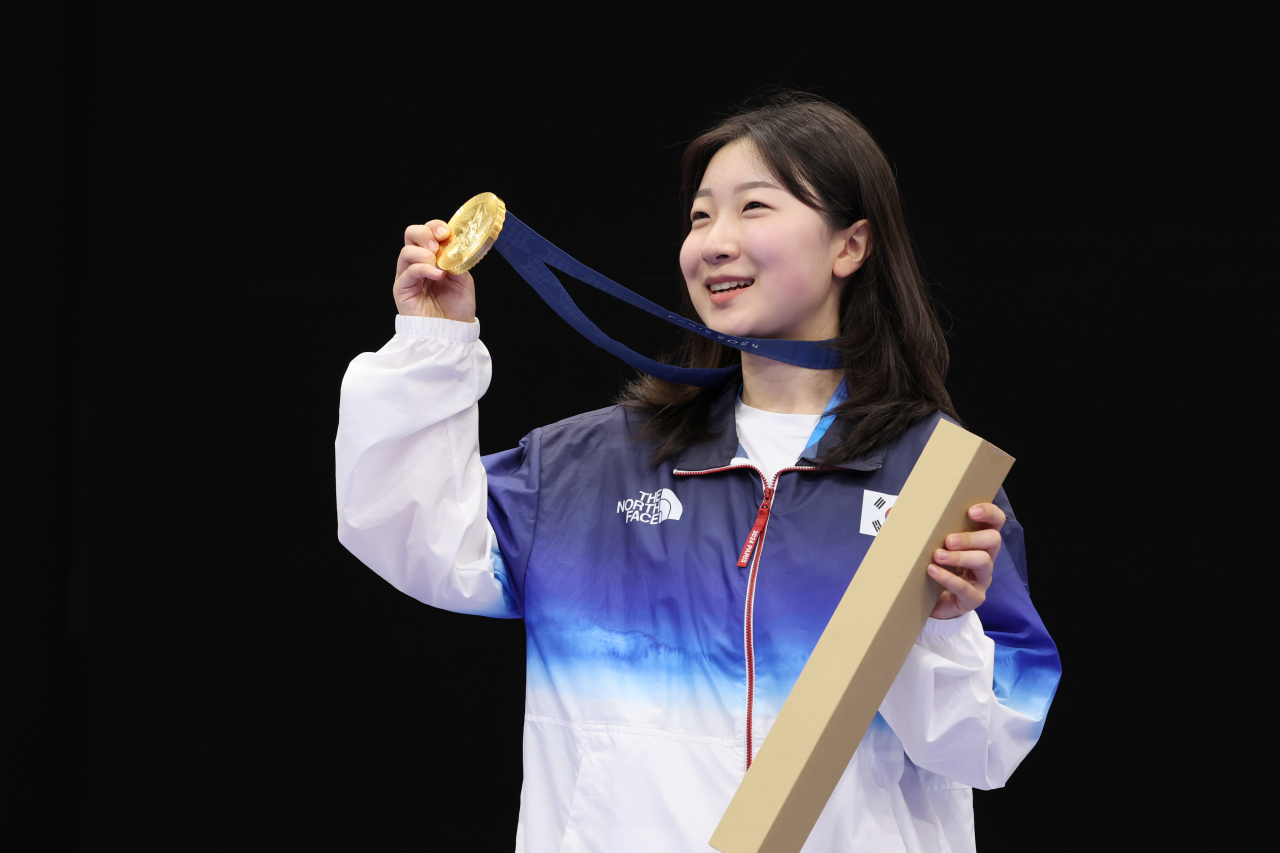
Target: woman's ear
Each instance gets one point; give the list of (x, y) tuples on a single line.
[(854, 244)]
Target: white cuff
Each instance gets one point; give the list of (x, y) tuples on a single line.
[(438, 327), (945, 627)]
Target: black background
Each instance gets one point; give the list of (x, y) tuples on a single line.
[(214, 202)]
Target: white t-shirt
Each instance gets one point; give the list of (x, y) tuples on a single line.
[(772, 440)]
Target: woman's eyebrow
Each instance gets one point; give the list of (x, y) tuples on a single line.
[(749, 185)]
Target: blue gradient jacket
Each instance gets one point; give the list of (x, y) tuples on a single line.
[(656, 662)]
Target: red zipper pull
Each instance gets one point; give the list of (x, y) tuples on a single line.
[(762, 518)]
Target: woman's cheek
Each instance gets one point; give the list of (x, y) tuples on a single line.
[(793, 263), (689, 258), (697, 298), (689, 266)]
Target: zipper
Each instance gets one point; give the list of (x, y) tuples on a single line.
[(751, 553), (757, 530)]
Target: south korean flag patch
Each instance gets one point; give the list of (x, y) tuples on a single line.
[(875, 511)]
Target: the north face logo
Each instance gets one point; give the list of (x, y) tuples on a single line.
[(652, 507)]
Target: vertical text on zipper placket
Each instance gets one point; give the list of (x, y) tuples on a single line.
[(751, 552)]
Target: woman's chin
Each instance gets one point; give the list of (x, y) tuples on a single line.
[(732, 321), (735, 327), (736, 330)]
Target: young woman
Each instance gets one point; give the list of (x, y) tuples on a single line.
[(656, 664)]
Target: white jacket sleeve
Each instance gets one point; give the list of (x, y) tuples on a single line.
[(943, 707), (412, 492)]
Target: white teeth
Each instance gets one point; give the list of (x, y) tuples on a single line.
[(731, 285)]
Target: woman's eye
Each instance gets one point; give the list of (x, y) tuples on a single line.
[(698, 214), (754, 205)]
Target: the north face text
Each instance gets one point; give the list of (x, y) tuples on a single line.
[(652, 507)]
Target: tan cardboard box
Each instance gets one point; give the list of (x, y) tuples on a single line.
[(860, 652)]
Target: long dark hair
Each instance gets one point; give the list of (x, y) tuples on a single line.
[(895, 355)]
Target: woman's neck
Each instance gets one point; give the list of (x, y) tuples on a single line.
[(777, 387)]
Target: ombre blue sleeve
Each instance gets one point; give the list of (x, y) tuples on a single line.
[(514, 477), (1027, 667)]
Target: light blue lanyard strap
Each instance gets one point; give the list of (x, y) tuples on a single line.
[(828, 418)]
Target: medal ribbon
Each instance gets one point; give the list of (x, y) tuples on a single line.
[(532, 256)]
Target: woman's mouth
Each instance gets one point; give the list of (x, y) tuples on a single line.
[(725, 289)]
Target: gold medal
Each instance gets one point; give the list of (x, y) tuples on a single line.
[(472, 231)]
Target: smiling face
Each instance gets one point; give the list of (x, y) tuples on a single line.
[(759, 262)]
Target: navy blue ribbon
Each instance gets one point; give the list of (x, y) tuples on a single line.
[(531, 255)]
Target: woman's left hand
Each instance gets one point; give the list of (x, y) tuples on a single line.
[(973, 556)]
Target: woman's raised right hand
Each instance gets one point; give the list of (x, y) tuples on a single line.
[(424, 290)]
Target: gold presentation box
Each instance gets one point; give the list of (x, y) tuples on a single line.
[(861, 650)]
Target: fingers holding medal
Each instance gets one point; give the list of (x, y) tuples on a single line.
[(431, 274), (421, 288)]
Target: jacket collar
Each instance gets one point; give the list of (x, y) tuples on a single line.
[(717, 451), (869, 461)]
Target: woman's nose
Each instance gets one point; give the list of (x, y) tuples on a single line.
[(720, 243)]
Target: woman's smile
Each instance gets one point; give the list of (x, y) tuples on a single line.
[(726, 287)]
